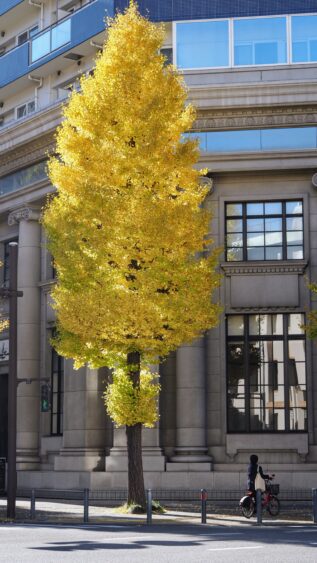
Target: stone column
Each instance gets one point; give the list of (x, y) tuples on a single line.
[(28, 395), (191, 405), (86, 429)]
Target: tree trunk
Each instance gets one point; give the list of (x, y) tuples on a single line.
[(136, 491)]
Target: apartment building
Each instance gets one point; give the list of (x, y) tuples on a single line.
[(249, 386)]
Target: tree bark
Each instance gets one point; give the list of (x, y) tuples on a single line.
[(136, 490)]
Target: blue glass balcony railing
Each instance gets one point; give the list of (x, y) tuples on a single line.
[(82, 25)]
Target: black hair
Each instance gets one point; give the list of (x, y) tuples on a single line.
[(254, 458)]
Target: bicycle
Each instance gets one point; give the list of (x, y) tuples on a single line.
[(270, 502)]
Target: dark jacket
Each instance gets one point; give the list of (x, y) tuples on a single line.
[(252, 471)]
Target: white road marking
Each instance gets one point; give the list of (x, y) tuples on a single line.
[(238, 547)]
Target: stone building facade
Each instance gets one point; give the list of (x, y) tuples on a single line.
[(249, 386)]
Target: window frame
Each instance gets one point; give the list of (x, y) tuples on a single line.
[(244, 218), (246, 338), (289, 43)]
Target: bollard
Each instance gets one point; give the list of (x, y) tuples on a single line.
[(203, 498), (314, 494), (259, 506), (149, 507), (32, 507), (86, 506)]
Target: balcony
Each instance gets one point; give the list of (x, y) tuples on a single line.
[(55, 40)]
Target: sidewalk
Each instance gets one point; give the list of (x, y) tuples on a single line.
[(66, 513)]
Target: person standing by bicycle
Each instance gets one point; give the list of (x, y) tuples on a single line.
[(253, 469)]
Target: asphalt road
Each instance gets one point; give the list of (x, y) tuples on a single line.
[(157, 544)]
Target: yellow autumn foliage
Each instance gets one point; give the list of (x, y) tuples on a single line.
[(128, 405), (127, 228)]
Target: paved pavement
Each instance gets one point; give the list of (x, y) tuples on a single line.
[(178, 543), (72, 512)]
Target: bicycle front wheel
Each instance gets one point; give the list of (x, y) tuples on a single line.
[(274, 506)]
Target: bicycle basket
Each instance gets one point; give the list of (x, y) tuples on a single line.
[(275, 489)]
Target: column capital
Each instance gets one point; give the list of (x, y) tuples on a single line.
[(24, 212)]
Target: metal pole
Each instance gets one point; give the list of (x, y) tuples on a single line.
[(259, 506), (32, 508), (314, 493), (149, 507), (203, 497), (86, 506), (12, 385)]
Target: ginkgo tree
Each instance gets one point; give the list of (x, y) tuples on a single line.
[(128, 228)]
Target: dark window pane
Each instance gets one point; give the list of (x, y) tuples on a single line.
[(234, 209), (236, 420), (295, 253), (234, 226), (274, 253), (255, 208), (236, 353), (255, 253)]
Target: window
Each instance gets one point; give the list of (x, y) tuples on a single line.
[(6, 267), (57, 387), (260, 41), (255, 140), (22, 178), (265, 230), (23, 37), (25, 109), (266, 373), (203, 44), (304, 39)]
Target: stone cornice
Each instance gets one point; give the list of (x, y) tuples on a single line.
[(24, 155), (231, 118), (260, 268), (26, 213)]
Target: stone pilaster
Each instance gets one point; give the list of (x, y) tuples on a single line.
[(28, 365), (86, 428), (191, 445)]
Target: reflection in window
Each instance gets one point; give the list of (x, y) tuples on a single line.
[(266, 374), (260, 41), (203, 44), (264, 231), (256, 140), (304, 39), (22, 178), (51, 39)]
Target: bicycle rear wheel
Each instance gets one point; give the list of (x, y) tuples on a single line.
[(274, 506)]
